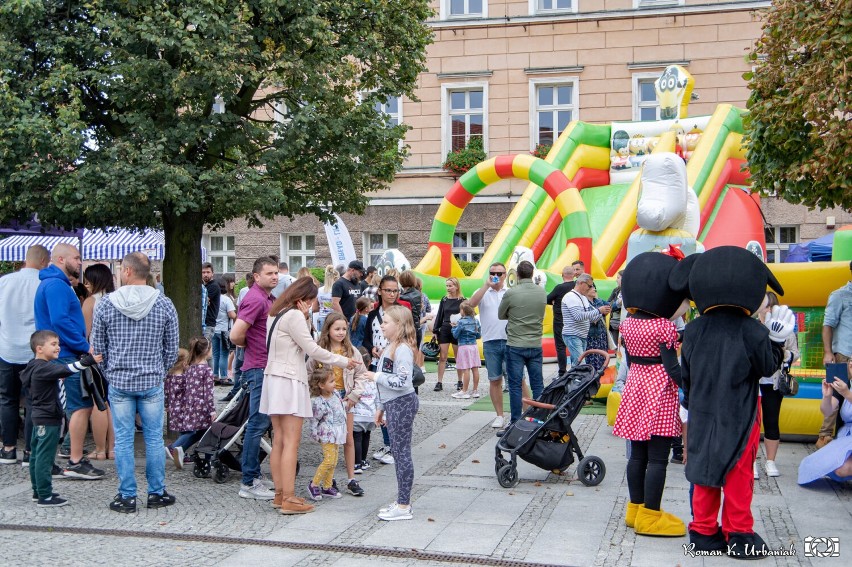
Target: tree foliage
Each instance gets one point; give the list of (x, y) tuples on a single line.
[(147, 113), (799, 129)]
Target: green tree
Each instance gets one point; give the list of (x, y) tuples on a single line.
[(181, 115), (799, 129)]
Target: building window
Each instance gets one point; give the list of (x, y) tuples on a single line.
[(464, 107), (645, 104), (469, 246), (299, 251), (779, 239), (656, 3), (544, 6), (463, 8), (554, 106), (393, 108), (377, 244), (218, 105), (220, 253)]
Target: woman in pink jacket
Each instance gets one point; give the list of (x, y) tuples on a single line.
[(286, 398)]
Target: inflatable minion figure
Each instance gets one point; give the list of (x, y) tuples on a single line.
[(725, 352), (674, 89)]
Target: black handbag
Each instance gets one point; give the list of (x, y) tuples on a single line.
[(417, 377), (94, 385), (787, 384)]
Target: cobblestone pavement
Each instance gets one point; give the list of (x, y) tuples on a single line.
[(462, 515)]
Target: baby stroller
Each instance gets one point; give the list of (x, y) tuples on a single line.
[(543, 436), (214, 450)]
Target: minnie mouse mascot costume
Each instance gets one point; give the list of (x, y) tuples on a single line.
[(648, 415), (725, 353)]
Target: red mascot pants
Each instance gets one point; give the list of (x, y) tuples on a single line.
[(739, 489)]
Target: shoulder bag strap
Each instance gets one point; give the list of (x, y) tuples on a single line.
[(272, 327)]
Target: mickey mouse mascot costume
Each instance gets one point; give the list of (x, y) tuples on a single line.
[(648, 415), (725, 353)]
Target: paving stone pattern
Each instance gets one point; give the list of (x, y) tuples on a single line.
[(459, 509)]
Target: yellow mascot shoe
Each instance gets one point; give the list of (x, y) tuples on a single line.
[(630, 516), (658, 523)]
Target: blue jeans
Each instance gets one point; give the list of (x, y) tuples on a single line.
[(495, 358), (220, 355), (516, 359), (239, 356), (149, 405), (188, 438), (257, 425), (577, 346)]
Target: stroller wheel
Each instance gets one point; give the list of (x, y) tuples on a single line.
[(221, 472), (507, 476), (499, 463), (197, 470), (591, 471)]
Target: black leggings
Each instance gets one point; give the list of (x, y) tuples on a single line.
[(646, 470), (362, 445), (770, 407)]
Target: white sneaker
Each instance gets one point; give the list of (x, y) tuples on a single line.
[(267, 482), (461, 395), (256, 491), (387, 459), (475, 394), (177, 456), (396, 512), (498, 422), (756, 472), (771, 469), (381, 452)]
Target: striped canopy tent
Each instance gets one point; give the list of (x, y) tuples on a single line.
[(100, 245), (116, 244), (14, 248)]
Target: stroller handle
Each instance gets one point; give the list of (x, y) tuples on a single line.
[(603, 353)]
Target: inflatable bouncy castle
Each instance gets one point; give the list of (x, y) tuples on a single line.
[(584, 199)]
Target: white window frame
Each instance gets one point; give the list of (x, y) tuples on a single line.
[(574, 81), (218, 106), (444, 12), (287, 255), (656, 3), (227, 255), (398, 113), (778, 247), (446, 129), (534, 9), (368, 252), (637, 78), (468, 251)]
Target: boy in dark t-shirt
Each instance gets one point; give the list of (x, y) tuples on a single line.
[(40, 380)]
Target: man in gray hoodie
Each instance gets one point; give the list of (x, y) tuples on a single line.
[(136, 330)]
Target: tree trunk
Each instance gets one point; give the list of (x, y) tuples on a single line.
[(182, 270)]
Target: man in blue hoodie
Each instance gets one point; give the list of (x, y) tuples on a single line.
[(57, 309)]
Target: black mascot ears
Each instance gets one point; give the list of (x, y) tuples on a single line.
[(724, 276), (645, 285)]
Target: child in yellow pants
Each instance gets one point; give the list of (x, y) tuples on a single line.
[(328, 427)]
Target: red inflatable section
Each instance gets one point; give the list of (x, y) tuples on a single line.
[(737, 222)]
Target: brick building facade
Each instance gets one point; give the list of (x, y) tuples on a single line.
[(515, 72)]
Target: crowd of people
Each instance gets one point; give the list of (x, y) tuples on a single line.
[(361, 334)]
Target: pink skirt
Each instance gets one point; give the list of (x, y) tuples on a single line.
[(283, 396), (467, 356)]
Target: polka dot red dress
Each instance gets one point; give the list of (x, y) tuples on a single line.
[(649, 402)]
